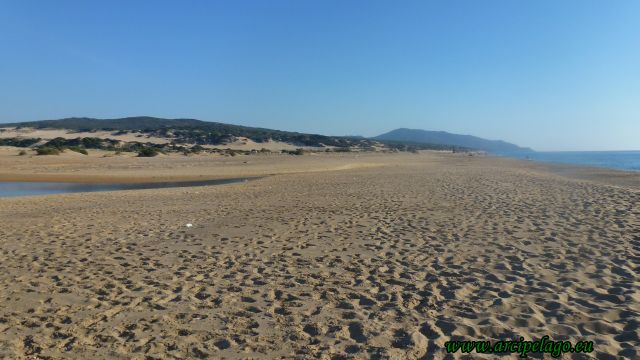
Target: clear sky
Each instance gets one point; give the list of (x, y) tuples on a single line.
[(552, 75)]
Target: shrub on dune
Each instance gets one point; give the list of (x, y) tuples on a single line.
[(47, 151), (148, 152), (78, 150)]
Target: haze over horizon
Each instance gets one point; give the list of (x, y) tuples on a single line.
[(545, 75)]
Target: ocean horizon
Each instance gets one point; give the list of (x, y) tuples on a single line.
[(619, 160)]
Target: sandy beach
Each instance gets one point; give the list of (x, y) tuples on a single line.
[(330, 256)]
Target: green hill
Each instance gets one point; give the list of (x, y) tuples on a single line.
[(445, 138)]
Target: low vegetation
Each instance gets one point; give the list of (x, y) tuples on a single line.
[(294, 152), (148, 152), (84, 143), (47, 151), (78, 150), (342, 149), (19, 142)]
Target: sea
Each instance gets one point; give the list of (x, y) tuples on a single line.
[(619, 160)]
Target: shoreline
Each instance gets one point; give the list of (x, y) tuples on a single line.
[(96, 169), (595, 174), (567, 164)]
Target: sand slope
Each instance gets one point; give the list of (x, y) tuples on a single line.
[(384, 262), (240, 143)]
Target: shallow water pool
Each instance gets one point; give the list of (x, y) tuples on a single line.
[(13, 189)]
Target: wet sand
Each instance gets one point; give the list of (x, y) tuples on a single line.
[(333, 256), (105, 166)]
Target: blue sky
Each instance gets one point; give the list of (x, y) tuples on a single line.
[(552, 75)]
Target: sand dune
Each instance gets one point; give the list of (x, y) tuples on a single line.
[(48, 134), (240, 143), (367, 262)]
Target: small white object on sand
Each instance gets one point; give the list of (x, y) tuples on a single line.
[(189, 225)]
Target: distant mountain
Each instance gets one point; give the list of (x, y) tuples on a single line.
[(445, 138)]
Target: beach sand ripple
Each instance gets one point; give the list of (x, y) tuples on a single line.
[(386, 262)]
